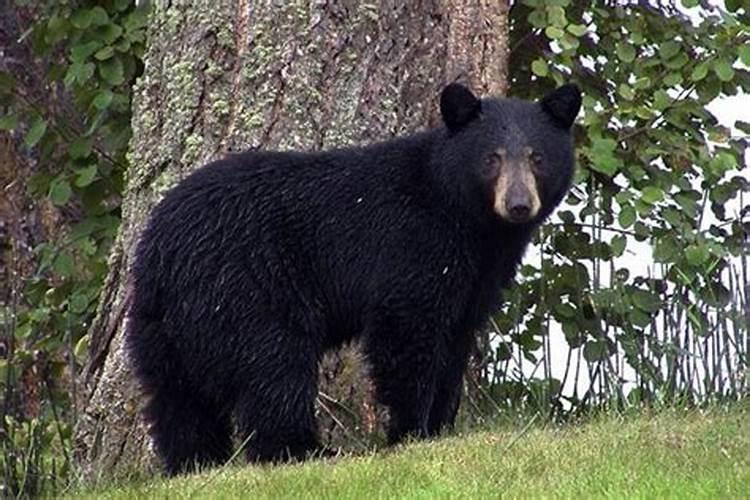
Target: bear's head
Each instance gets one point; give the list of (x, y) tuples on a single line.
[(513, 158)]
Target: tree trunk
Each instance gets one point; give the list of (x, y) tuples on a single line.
[(277, 75)]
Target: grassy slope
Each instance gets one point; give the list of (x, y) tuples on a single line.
[(665, 455)]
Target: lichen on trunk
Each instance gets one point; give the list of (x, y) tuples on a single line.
[(276, 75)]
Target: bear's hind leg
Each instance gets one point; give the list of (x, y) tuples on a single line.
[(187, 432), (275, 413)]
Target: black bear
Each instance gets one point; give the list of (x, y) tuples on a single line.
[(255, 265)]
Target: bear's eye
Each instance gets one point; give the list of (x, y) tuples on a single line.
[(490, 166), (536, 158)]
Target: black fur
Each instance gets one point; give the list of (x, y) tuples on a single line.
[(255, 265)]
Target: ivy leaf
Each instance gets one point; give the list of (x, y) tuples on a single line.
[(85, 175), (696, 255), (625, 52), (109, 33), (595, 350), (643, 82), (104, 53), (79, 148), (554, 33), (669, 49), (79, 53), (103, 99), (564, 311), (744, 53), (576, 29), (539, 67), (81, 349), (626, 91), (8, 122), (35, 133), (699, 72), (78, 72), (723, 70), (77, 303), (603, 158), (651, 195), (112, 71), (645, 300), (556, 16), (81, 18), (99, 16), (63, 264), (618, 244), (60, 192), (627, 216), (734, 5)]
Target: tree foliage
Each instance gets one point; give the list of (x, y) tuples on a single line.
[(73, 127), (643, 271)]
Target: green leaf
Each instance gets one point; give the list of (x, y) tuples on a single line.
[(627, 216), (677, 62), (85, 175), (723, 70), (603, 158), (576, 29), (564, 311), (618, 244), (734, 5), (556, 16), (81, 18), (81, 349), (625, 52), (669, 49), (102, 99), (643, 82), (79, 72), (689, 4), (104, 53), (77, 303), (112, 71), (626, 91), (539, 67), (651, 195), (665, 249), (672, 79), (645, 300), (595, 350), (696, 255), (79, 148), (744, 53), (99, 16), (35, 133), (60, 192), (109, 34), (554, 33), (699, 72), (78, 53), (63, 264), (8, 122)]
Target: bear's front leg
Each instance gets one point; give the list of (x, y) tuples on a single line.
[(404, 360), (449, 385)]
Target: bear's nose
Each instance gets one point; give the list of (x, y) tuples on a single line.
[(520, 213), (518, 204)]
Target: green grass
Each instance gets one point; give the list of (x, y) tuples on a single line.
[(668, 454)]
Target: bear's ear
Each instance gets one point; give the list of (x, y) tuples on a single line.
[(563, 104), (458, 106)]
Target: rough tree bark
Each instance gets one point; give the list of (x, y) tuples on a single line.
[(267, 74)]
